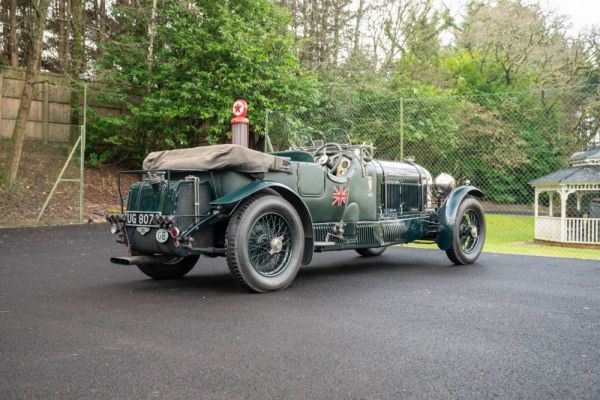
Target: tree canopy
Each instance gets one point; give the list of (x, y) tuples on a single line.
[(179, 85), (507, 86)]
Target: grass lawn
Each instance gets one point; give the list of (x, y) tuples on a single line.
[(513, 234)]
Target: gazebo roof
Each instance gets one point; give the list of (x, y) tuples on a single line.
[(579, 174), (590, 156)]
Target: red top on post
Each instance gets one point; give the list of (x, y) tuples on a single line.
[(239, 124), (240, 108)]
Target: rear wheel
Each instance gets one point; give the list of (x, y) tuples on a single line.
[(173, 269), (468, 234), (371, 251), (265, 241)]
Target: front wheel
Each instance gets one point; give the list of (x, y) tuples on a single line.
[(265, 242), (173, 269), (468, 233)]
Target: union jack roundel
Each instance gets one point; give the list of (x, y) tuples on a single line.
[(340, 196)]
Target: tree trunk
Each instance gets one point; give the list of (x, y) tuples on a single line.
[(77, 25), (293, 7), (63, 37), (5, 19), (102, 28), (151, 29), (336, 34), (78, 61), (14, 42), (357, 25), (38, 26)]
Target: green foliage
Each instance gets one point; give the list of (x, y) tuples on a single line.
[(470, 72), (473, 109), (205, 55), (476, 129)]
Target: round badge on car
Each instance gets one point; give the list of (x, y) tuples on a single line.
[(162, 235)]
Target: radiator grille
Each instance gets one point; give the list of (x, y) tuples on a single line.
[(401, 195)]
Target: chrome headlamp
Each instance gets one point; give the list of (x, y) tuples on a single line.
[(444, 183)]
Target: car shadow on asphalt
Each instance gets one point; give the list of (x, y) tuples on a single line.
[(220, 282), (393, 261), (206, 283)]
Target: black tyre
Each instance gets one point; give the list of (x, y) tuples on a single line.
[(468, 234), (265, 241), (371, 251), (173, 269)]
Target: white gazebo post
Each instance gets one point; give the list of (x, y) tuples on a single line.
[(551, 203), (579, 197), (564, 198), (564, 195)]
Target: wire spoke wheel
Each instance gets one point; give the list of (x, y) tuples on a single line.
[(269, 246), (468, 232), (265, 244)]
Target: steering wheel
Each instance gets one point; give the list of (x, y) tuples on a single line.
[(331, 162)]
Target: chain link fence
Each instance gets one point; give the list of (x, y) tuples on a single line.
[(497, 142), (48, 188)]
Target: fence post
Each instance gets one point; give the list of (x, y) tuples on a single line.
[(401, 128), (266, 130), (1, 103), (45, 113), (82, 155)]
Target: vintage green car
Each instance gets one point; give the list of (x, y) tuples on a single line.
[(267, 213)]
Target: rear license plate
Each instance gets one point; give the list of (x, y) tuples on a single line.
[(142, 218)]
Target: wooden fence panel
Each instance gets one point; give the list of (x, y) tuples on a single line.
[(50, 114)]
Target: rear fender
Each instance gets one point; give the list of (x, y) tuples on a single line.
[(447, 214), (233, 199)]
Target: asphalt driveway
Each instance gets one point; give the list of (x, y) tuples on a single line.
[(402, 325)]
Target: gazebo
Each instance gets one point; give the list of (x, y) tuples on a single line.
[(578, 222)]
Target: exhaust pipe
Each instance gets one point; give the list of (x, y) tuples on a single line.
[(139, 260)]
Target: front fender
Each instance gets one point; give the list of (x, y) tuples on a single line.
[(233, 199), (447, 214)]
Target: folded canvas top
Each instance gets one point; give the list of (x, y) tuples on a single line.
[(221, 156)]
